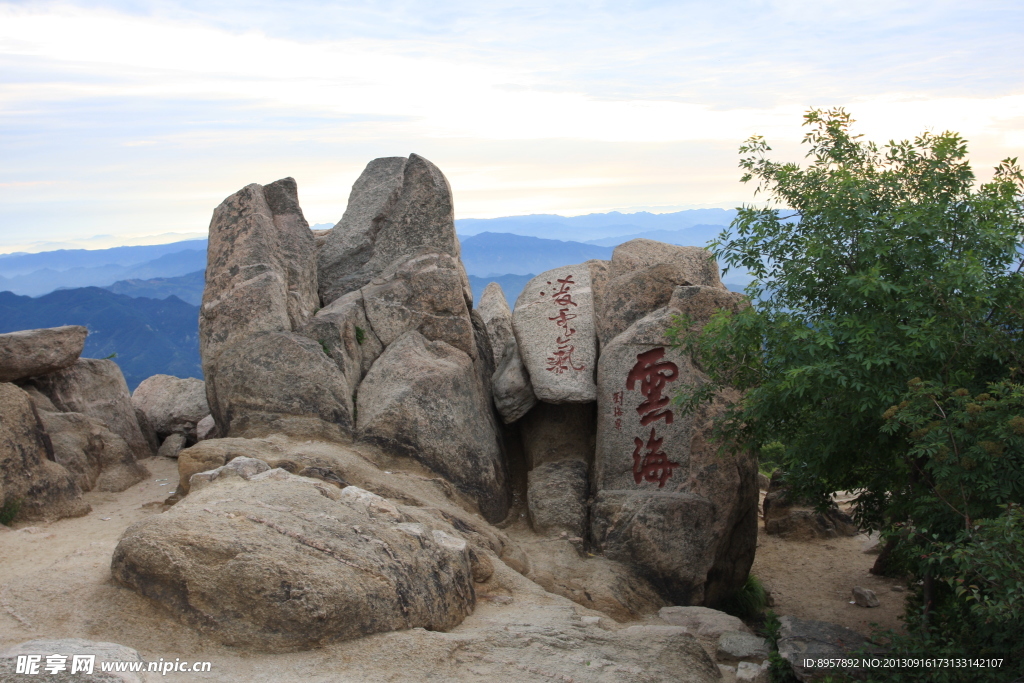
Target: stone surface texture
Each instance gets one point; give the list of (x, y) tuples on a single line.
[(554, 326), (513, 393), (103, 652), (286, 563), (796, 520), (556, 497), (702, 620), (45, 490), (29, 353), (345, 334), (423, 399), (172, 404), (98, 458), (801, 639), (172, 446), (96, 388), (666, 501), (396, 207)]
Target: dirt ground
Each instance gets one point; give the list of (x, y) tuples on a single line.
[(55, 583)]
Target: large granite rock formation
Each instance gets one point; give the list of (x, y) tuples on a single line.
[(29, 353), (666, 501), (282, 562), (342, 330), (397, 207), (513, 393), (171, 404), (554, 326), (96, 388), (424, 400), (30, 478)]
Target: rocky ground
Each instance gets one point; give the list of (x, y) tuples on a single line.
[(55, 582)]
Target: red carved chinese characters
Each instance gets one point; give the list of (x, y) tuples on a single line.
[(561, 360), (651, 373)]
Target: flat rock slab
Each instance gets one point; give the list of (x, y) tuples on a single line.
[(29, 353), (280, 562), (554, 326)]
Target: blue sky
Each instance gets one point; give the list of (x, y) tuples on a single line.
[(135, 119)]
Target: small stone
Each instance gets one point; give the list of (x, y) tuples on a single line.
[(739, 645), (897, 589), (865, 597)]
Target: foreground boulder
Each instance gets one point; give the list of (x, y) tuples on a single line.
[(554, 327), (29, 353), (279, 562), (41, 488), (172, 404), (96, 388), (666, 502), (423, 399)]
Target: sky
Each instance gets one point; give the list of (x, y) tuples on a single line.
[(127, 122)]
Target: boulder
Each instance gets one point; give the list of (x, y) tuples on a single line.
[(98, 458), (554, 326), (96, 388), (427, 292), (397, 206), (801, 640), (556, 497), (29, 353), (797, 520), (423, 399), (91, 653), (206, 429), (667, 502), (513, 393), (209, 455), (342, 330), (172, 404), (260, 272), (280, 382), (703, 621), (865, 597), (283, 562), (552, 432), (148, 433), (642, 278), (43, 489), (172, 446), (734, 646)]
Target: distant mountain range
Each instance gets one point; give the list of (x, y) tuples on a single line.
[(596, 226), (188, 288), (149, 336)]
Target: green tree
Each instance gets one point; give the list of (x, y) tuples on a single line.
[(874, 266)]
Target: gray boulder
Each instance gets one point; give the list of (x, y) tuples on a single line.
[(172, 446), (703, 621), (98, 458), (554, 327), (43, 489), (424, 399), (96, 388), (92, 651), (666, 502), (172, 404), (342, 330), (283, 562), (865, 597), (206, 429), (428, 292), (513, 393), (734, 646), (556, 497), (29, 353), (280, 382), (809, 639), (396, 207)]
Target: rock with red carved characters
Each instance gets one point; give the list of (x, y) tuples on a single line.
[(554, 325), (667, 503)]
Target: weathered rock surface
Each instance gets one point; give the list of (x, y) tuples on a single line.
[(96, 388), (171, 404), (666, 501), (734, 646), (280, 382), (342, 329), (172, 446), (554, 327), (513, 393), (423, 399), (796, 520), (396, 207), (286, 563), (556, 497), (206, 429), (801, 639), (428, 292), (209, 455), (69, 647), (865, 597), (559, 432), (29, 353), (702, 620), (44, 489), (242, 466), (642, 277), (97, 457)]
